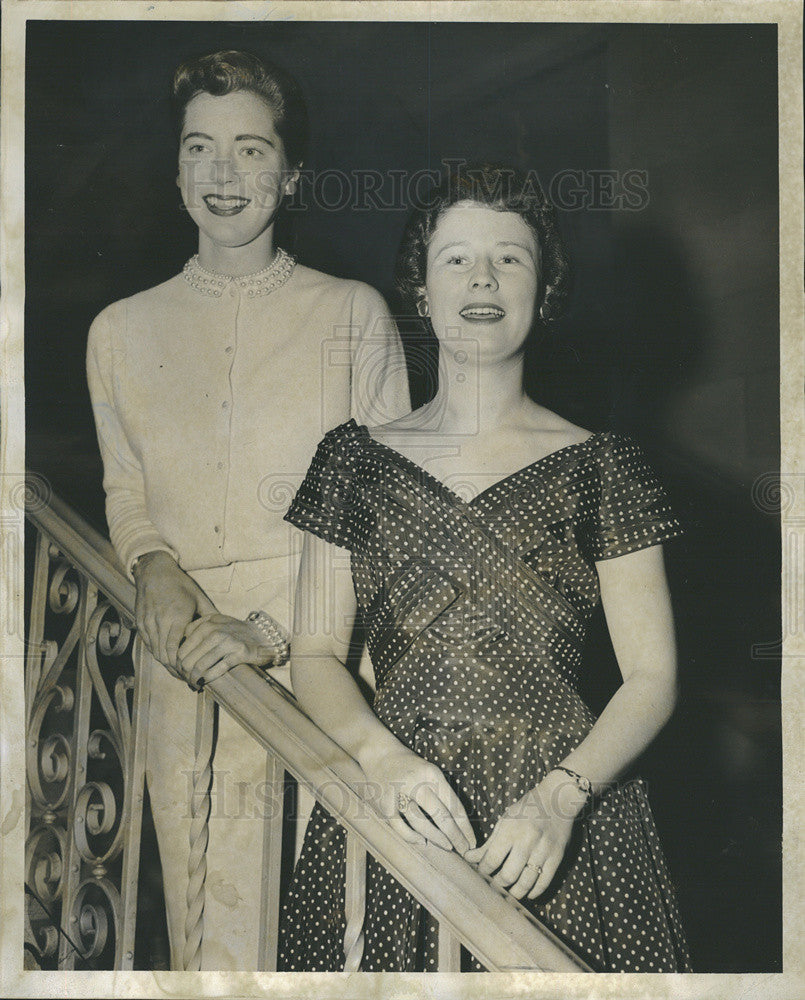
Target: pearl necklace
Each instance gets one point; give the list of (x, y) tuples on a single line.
[(260, 283)]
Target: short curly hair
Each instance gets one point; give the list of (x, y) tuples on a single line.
[(504, 189), (230, 71)]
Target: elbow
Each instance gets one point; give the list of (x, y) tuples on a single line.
[(310, 663), (656, 696), (299, 670), (667, 699)]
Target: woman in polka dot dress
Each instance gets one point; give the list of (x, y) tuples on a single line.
[(482, 531)]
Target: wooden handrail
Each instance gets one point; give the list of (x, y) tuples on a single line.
[(483, 917), (85, 547)]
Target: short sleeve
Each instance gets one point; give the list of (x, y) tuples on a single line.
[(327, 504), (633, 511)]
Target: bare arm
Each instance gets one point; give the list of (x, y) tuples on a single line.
[(634, 594), (530, 838), (379, 377), (324, 619)]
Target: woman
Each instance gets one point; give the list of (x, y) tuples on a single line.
[(209, 393), (482, 530)]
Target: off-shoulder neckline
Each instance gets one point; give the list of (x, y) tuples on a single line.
[(434, 481)]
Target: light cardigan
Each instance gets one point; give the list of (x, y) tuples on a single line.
[(208, 410)]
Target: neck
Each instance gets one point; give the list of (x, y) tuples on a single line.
[(236, 262), (474, 394)]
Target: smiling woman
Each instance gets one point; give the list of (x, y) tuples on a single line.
[(477, 603), (202, 390), (233, 175)]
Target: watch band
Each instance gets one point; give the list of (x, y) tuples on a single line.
[(583, 784)]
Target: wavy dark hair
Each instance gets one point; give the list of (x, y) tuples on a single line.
[(229, 71), (506, 190)]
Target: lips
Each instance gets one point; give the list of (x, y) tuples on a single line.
[(225, 204), (482, 312)]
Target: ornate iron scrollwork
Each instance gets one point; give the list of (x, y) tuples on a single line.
[(84, 793)]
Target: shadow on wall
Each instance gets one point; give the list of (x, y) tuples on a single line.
[(715, 771)]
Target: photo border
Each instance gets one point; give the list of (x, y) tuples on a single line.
[(14, 982)]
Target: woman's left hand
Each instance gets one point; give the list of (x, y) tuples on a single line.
[(526, 846), (214, 644)]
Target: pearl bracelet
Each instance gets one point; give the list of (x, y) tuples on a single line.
[(275, 634)]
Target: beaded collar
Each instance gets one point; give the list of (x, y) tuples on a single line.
[(260, 283)]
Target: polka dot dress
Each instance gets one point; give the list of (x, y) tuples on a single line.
[(476, 616)]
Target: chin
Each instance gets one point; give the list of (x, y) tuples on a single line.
[(230, 240)]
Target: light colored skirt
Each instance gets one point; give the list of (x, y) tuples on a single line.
[(240, 796)]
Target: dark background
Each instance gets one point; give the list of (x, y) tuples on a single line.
[(672, 335)]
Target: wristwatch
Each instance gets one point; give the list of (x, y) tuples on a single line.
[(583, 784)]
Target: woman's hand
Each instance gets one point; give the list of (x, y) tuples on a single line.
[(416, 798), (216, 643), (167, 601), (530, 838)]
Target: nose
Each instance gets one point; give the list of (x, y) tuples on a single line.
[(225, 171), (482, 276)]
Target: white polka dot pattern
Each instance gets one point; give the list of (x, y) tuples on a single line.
[(476, 616)]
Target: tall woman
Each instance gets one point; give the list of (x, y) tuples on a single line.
[(209, 392), (482, 531)]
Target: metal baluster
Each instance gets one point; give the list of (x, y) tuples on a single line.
[(133, 814), (449, 950), (36, 625), (78, 778), (199, 833), (273, 829), (355, 903), (53, 830)]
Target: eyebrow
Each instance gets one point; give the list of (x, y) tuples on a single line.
[(238, 138), (500, 243), (453, 243)]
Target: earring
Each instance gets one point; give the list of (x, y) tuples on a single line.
[(422, 307), (545, 313)]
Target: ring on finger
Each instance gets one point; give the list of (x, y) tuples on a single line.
[(403, 801), (537, 869)]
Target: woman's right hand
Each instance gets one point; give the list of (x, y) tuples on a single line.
[(416, 799), (167, 601)]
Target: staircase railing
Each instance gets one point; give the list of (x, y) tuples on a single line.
[(85, 749)]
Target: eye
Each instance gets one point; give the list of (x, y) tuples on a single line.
[(456, 258), (195, 148), (510, 259), (251, 151)]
